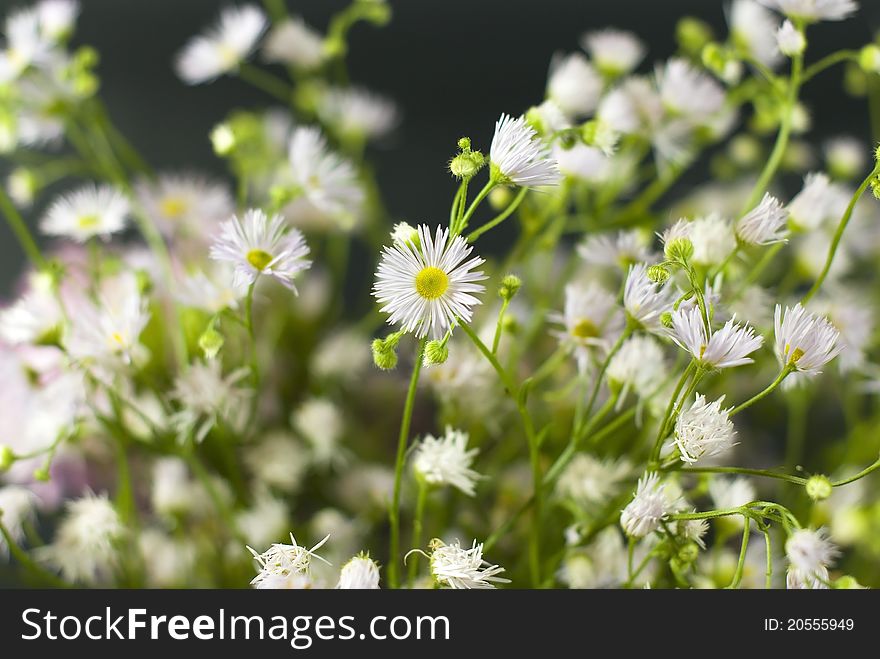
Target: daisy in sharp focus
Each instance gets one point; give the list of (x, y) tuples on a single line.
[(463, 569), (261, 245), (804, 342), (426, 286), (223, 46), (519, 157), (87, 212)]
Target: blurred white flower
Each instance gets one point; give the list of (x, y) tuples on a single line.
[(87, 212), (574, 85), (446, 460), (294, 43)]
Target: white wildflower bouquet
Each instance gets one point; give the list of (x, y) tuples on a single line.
[(668, 377)]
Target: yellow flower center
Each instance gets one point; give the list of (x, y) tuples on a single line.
[(173, 207), (795, 356), (585, 329), (431, 283), (88, 221), (259, 259)]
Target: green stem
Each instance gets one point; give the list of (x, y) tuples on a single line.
[(740, 565), (838, 234), (661, 430), (461, 225), (498, 219), (864, 472), (766, 473), (784, 373), (27, 562), (225, 512), (403, 437), (758, 269), (20, 229), (768, 579), (782, 137), (498, 326), (421, 500), (828, 61), (277, 10), (634, 211), (265, 81)]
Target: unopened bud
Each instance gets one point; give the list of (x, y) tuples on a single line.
[(466, 165), (510, 285), (658, 274), (384, 357), (869, 58), (818, 487), (692, 34), (679, 249), (223, 139), (7, 458), (436, 352), (211, 341), (666, 319)]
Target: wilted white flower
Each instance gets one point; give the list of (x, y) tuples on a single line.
[(294, 43), (357, 113), (814, 10), (574, 85), (223, 46), (426, 287), (360, 573), (765, 224), (87, 212), (86, 544), (639, 365), (519, 157), (285, 567), (260, 245), (615, 52), (713, 239), (646, 301), (725, 348), (810, 553), (205, 396), (790, 40), (186, 204), (803, 341), (18, 507), (446, 460), (326, 181), (704, 429), (754, 29), (622, 249), (463, 569), (591, 319), (589, 481), (651, 502)]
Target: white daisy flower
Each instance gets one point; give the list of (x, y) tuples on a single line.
[(25, 45), (294, 43), (109, 329), (687, 92), (589, 481), (57, 18), (35, 318), (804, 341), (519, 157), (652, 501), (549, 117), (634, 106), (615, 52), (790, 40), (639, 365), (713, 239), (646, 301), (360, 573), (818, 201), (185, 203), (87, 212), (357, 113), (425, 287), (327, 182), (18, 508), (764, 224), (260, 245), (205, 396), (810, 553), (463, 569), (446, 460), (592, 321), (621, 250), (223, 46), (814, 10), (583, 162), (86, 545), (285, 567), (753, 29), (704, 429), (574, 85), (725, 348)]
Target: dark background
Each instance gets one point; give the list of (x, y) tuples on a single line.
[(452, 65)]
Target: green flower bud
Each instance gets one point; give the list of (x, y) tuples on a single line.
[(658, 274), (510, 285), (7, 458), (869, 58), (211, 341), (384, 357), (465, 165), (223, 139), (692, 34), (679, 249), (42, 474), (464, 143), (818, 487), (436, 352), (500, 198), (688, 553), (666, 319), (875, 187)]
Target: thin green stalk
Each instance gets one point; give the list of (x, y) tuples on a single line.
[(461, 225), (20, 229), (864, 472), (265, 81), (421, 500), (784, 373), (766, 473), (661, 430), (757, 270), (394, 510), (225, 512), (277, 9), (838, 234), (768, 575), (740, 565), (782, 137), (828, 61), (496, 339), (498, 219), (27, 562)]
